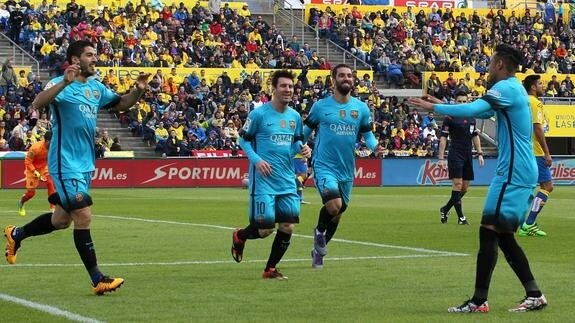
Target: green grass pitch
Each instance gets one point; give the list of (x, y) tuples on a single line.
[(392, 261)]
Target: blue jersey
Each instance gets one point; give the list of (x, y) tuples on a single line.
[(510, 103), (274, 137), (337, 127), (73, 115)]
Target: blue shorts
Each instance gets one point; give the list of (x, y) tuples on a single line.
[(330, 188), (300, 165), (506, 205), (73, 190), (544, 171), (267, 209)]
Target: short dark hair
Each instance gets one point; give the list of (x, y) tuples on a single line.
[(279, 74), (76, 49), (337, 67), (530, 80), (460, 93), (511, 55), (48, 135)]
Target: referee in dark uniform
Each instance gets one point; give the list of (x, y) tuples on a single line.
[(462, 133)]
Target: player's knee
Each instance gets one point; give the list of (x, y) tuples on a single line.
[(265, 232), (82, 218), (286, 228), (61, 220), (457, 185), (31, 193), (333, 208)]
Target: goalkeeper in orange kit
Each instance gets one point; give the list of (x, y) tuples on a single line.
[(36, 163)]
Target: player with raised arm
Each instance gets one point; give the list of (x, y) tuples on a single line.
[(271, 137), (74, 100), (337, 121), (511, 190)]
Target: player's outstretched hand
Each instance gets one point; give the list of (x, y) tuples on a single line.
[(71, 72), (421, 102), (305, 151), (142, 81), (264, 168), (432, 99)]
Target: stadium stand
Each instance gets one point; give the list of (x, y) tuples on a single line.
[(211, 66)]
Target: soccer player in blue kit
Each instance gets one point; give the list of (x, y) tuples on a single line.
[(271, 136), (511, 190), (337, 121), (74, 100)]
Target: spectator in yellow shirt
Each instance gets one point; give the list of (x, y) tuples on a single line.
[(48, 47), (112, 79), (123, 85), (22, 81), (179, 129), (251, 64), (244, 11), (255, 36), (176, 78)]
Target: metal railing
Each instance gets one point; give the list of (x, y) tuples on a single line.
[(288, 15), (22, 53)]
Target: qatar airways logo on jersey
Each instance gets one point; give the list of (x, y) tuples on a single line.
[(282, 140), (89, 111), (343, 129), (563, 171), (431, 173)]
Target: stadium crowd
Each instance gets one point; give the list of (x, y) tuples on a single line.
[(401, 43), (179, 115)]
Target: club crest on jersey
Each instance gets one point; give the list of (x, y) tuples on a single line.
[(342, 114), (96, 94), (354, 114), (87, 93), (292, 124), (283, 123)]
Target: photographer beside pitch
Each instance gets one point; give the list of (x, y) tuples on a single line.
[(511, 190)]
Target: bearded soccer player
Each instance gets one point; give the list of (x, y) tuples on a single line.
[(534, 88), (511, 190), (337, 121), (74, 100), (36, 163), (271, 137)]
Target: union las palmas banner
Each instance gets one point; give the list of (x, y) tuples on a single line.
[(559, 121), (212, 74)]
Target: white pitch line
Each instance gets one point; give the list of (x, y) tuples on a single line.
[(225, 262), (364, 243), (47, 309)]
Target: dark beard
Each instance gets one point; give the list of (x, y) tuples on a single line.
[(342, 90)]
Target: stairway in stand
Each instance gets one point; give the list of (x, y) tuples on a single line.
[(109, 122)]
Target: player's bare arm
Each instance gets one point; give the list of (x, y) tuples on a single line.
[(52, 90), (128, 100)]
